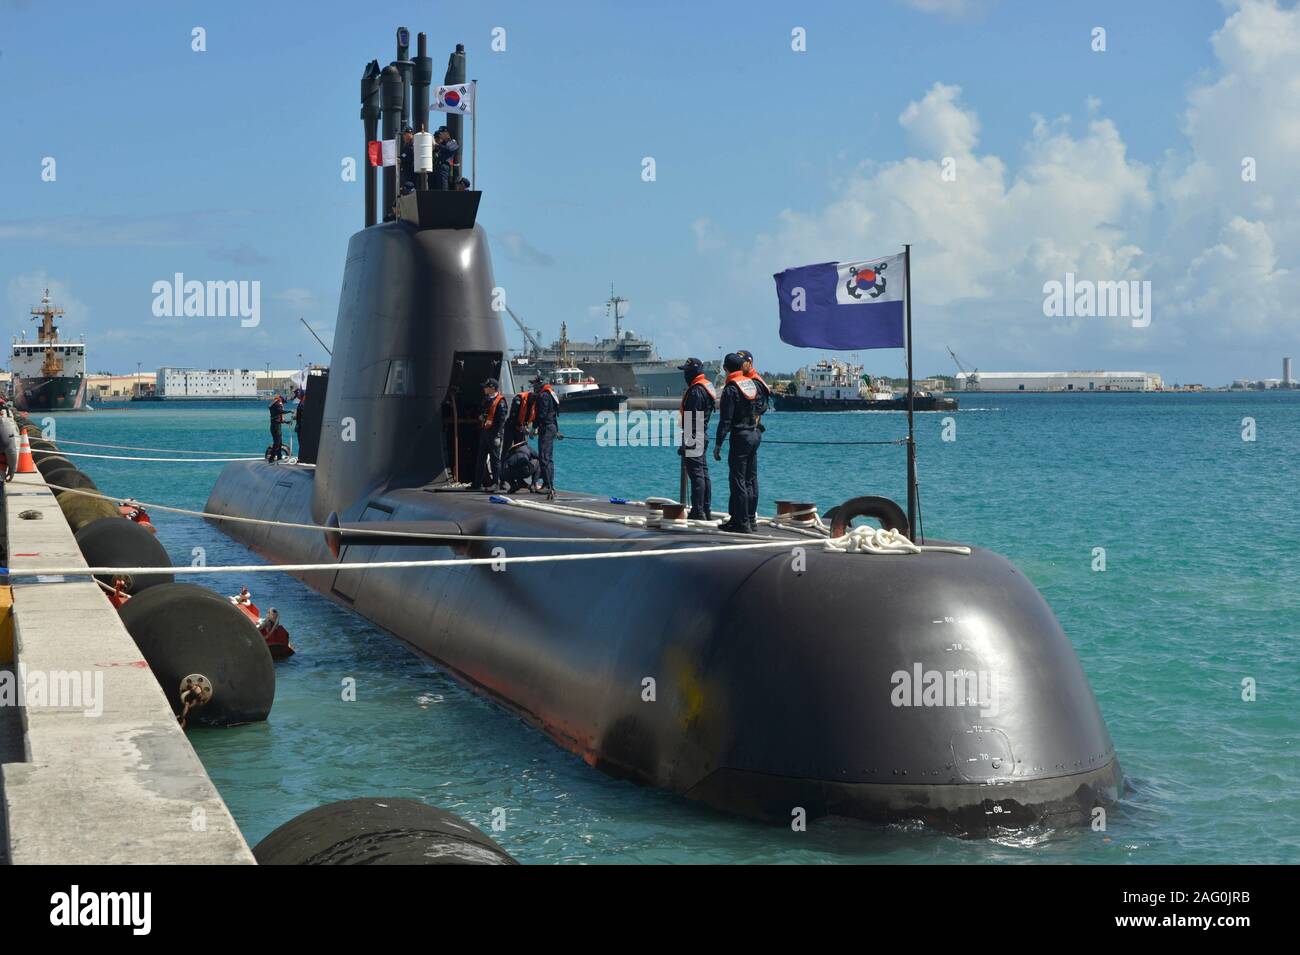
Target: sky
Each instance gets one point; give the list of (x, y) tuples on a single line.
[(994, 136)]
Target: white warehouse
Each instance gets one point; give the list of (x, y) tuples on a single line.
[(1003, 381), (206, 383)]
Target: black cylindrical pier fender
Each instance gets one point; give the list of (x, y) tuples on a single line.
[(69, 477), (40, 444), (190, 635), (379, 831), (45, 462), (124, 544), (82, 509), (889, 514)]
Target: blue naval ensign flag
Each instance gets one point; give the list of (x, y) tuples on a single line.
[(850, 305), (844, 305)]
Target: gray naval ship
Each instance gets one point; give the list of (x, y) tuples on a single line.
[(626, 361), (794, 676)]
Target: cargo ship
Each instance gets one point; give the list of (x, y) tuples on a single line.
[(48, 374), (839, 386)]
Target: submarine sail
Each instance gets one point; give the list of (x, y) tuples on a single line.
[(804, 672)]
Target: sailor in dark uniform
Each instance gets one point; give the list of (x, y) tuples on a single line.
[(408, 160), (444, 157), (493, 421), (523, 409), (521, 466), (546, 418), (698, 402), (763, 400), (276, 407), (738, 415), (300, 397)]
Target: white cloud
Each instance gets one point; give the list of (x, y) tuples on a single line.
[(938, 126), (295, 298), (707, 236), (988, 234), (950, 8), (1216, 249), (25, 291), (1226, 236)]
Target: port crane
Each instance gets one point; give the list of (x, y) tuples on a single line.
[(972, 374), (528, 335)]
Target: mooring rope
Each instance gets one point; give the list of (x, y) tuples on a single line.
[(127, 447), (118, 457), (859, 540), (390, 564), (433, 536)]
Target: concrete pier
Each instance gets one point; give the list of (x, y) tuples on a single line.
[(96, 769)]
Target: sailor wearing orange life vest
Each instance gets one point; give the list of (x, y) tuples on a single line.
[(748, 369), (698, 402), (743, 402), (546, 418), (523, 411), (493, 420)]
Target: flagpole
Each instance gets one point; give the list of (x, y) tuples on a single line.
[(911, 430), (473, 134)]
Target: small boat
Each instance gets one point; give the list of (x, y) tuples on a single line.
[(579, 391), (277, 638), (840, 386)]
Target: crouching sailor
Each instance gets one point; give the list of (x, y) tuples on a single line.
[(546, 417), (521, 466), (698, 402), (743, 402), (493, 421)]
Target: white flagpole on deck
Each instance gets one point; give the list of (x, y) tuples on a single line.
[(473, 133)]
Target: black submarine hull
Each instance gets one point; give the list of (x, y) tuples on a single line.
[(776, 682)]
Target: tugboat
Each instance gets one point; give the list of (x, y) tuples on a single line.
[(579, 391), (839, 386), (880, 675), (48, 374)]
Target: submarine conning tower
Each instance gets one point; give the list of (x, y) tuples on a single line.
[(416, 333)]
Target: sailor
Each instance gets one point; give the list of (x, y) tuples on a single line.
[(546, 419), (698, 401), (523, 410), (738, 415), (408, 160), (521, 466), (300, 397), (8, 439), (276, 408), (444, 154), (761, 407), (493, 423)]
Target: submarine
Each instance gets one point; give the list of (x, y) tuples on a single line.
[(928, 684)]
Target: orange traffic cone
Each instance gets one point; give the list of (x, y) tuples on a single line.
[(25, 463)]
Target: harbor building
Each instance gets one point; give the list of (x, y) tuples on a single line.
[(1004, 381), (174, 383)]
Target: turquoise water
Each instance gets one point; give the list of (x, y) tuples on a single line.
[(1201, 590)]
